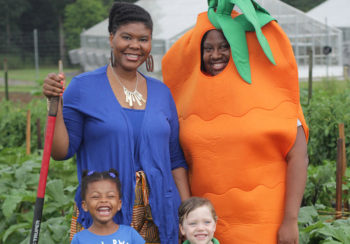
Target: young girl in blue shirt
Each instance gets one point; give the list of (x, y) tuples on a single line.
[(101, 194)]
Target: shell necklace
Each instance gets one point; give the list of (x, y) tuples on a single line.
[(130, 96)]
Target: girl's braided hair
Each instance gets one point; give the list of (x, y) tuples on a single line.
[(93, 176)]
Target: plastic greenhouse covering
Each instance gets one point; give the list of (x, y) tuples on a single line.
[(173, 18)]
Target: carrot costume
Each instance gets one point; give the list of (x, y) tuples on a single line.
[(237, 127)]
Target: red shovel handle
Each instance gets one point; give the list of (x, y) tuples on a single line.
[(50, 129)]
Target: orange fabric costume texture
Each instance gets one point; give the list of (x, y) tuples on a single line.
[(235, 135)]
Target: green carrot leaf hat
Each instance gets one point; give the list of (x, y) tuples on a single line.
[(252, 19)]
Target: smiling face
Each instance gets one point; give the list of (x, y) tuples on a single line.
[(131, 45), (215, 52), (102, 201), (199, 226)]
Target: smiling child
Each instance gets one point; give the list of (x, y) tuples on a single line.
[(197, 219), (101, 196)]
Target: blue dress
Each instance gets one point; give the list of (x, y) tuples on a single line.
[(101, 135), (136, 117)]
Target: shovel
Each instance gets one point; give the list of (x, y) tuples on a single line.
[(50, 129)]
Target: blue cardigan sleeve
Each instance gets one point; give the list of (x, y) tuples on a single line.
[(176, 154), (73, 117)]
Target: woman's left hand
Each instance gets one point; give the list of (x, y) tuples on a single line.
[(288, 232)]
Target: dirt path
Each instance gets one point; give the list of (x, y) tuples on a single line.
[(12, 82), (24, 97)]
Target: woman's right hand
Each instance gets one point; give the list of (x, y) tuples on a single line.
[(53, 85)]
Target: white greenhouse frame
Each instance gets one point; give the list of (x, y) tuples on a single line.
[(173, 18)]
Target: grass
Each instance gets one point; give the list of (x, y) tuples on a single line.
[(330, 87), (327, 84), (19, 88), (30, 74)]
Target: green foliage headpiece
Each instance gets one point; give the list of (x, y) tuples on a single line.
[(252, 19)]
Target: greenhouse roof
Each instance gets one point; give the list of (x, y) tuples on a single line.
[(172, 18), (169, 17), (100, 29), (336, 12)]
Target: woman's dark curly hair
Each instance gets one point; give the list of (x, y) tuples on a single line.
[(93, 176), (123, 13)]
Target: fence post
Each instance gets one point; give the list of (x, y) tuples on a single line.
[(339, 179), (310, 76), (6, 80), (28, 133), (38, 131), (36, 54), (344, 164)]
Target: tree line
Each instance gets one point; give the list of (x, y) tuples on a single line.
[(66, 19), (63, 19)]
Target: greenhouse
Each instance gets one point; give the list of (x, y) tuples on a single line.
[(173, 18), (336, 12)]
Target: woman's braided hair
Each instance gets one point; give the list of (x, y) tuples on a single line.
[(123, 13)]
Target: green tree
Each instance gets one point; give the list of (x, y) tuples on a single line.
[(59, 7), (79, 16), (10, 13), (44, 15)]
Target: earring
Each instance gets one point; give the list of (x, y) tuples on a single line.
[(112, 58), (149, 63)]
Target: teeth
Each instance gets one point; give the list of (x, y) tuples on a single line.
[(201, 236), (132, 55), (104, 211), (218, 66), (104, 208)]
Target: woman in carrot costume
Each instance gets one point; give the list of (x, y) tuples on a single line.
[(235, 83)]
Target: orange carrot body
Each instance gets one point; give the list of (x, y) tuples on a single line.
[(236, 135)]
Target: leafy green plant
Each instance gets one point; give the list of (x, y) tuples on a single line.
[(328, 107), (320, 187), (19, 175), (13, 122), (315, 228)]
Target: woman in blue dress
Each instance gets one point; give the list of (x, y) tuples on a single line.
[(116, 117)]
